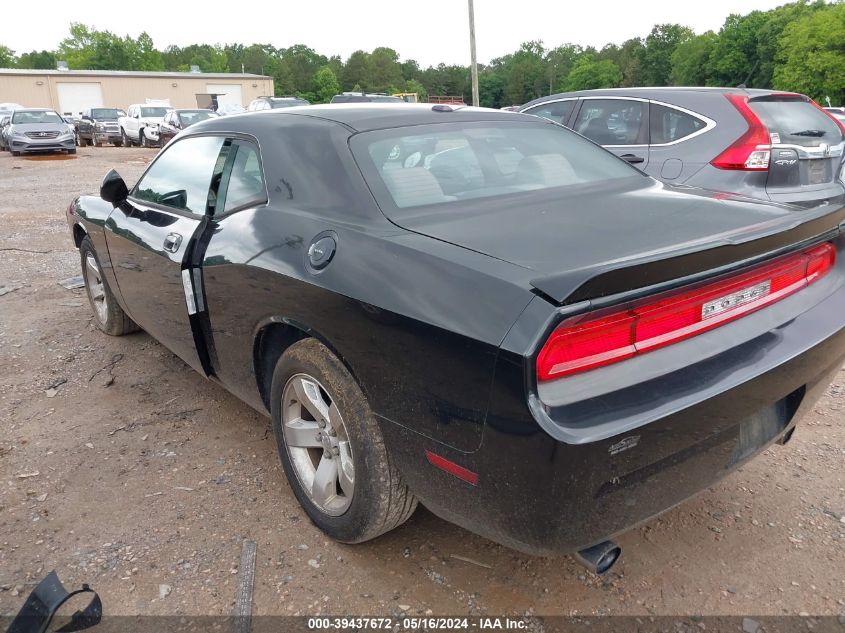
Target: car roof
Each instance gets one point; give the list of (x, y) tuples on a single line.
[(362, 117), (665, 92)]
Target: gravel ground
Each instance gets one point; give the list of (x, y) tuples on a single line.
[(123, 468)]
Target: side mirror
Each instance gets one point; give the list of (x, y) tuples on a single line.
[(113, 189)]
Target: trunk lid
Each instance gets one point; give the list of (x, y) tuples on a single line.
[(588, 245), (807, 148)]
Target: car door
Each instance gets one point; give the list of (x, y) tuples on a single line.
[(150, 237), (619, 124)]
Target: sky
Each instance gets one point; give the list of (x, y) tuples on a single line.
[(429, 31)]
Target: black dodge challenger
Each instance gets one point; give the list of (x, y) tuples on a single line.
[(482, 311)]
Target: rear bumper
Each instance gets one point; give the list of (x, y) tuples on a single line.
[(547, 496)]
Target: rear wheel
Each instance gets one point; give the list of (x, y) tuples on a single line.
[(108, 315), (332, 449), (77, 139)]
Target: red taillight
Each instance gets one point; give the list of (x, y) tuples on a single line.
[(752, 150), (839, 123), (587, 343)]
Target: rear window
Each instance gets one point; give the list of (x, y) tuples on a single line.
[(442, 165), (796, 122)]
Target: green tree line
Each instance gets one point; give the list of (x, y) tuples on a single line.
[(799, 46)]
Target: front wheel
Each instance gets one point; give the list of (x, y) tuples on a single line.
[(125, 139), (108, 315), (332, 449), (93, 142), (142, 139)]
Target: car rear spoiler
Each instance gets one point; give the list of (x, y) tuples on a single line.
[(666, 269)]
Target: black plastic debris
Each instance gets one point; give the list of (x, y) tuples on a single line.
[(41, 605)]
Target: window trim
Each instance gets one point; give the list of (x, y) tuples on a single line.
[(163, 207), (227, 174), (709, 124)]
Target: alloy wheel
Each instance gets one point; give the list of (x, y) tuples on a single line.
[(318, 444), (96, 289)]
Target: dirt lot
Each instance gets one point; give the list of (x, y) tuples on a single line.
[(121, 467)]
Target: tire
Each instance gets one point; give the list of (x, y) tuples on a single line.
[(118, 143), (93, 141), (142, 139), (77, 139), (14, 153), (379, 500), (125, 139), (108, 315), (72, 151)]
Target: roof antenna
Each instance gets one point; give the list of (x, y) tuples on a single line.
[(747, 79)]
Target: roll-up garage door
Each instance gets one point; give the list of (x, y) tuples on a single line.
[(76, 97), (229, 93)]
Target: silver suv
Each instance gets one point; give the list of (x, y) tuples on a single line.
[(776, 146)]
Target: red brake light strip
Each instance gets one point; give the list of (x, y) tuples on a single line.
[(591, 343)]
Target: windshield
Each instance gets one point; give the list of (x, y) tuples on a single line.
[(106, 114), (153, 112), (35, 116), (189, 117), (796, 122), (445, 164)]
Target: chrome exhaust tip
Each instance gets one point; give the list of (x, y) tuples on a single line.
[(599, 558)]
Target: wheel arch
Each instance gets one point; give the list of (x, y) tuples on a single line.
[(272, 339)]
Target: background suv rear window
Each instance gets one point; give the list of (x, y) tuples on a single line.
[(796, 122)]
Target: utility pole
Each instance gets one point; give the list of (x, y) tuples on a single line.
[(473, 65)]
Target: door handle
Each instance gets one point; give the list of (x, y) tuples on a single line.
[(632, 158), (172, 242)]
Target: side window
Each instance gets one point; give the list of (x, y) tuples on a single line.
[(243, 180), (668, 124), (181, 176), (557, 111), (610, 121)]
